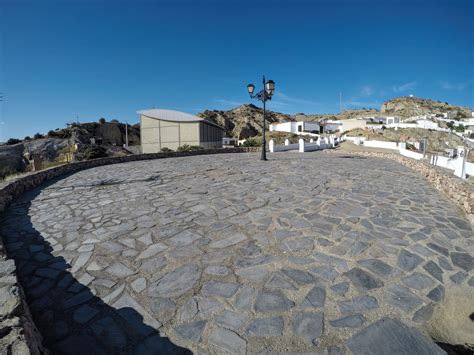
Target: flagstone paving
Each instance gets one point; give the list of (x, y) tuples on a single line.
[(225, 253)]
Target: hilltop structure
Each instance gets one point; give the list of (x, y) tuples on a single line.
[(173, 129)]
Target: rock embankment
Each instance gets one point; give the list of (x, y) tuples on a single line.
[(18, 333)]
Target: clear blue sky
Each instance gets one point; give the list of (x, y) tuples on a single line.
[(59, 59)]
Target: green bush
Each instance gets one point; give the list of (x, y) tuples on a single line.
[(94, 152), (12, 141), (195, 147), (184, 148), (38, 136), (102, 120), (166, 150), (251, 142), (27, 138)]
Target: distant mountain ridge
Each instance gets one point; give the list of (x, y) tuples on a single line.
[(244, 121), (406, 106)]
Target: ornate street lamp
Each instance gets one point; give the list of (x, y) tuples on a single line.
[(264, 95)]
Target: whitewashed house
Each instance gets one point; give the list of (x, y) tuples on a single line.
[(296, 127)]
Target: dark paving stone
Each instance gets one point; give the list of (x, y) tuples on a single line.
[(351, 321), (461, 223), (315, 298), (78, 344), (327, 272), (228, 341), (423, 314), (418, 281), (175, 283), (358, 304), (78, 299), (458, 277), (109, 333), (434, 270), (436, 294), (444, 263), (341, 288), (463, 260), (438, 248), (390, 336), (84, 314), (191, 331), (377, 267), (163, 308), (298, 276), (265, 327), (222, 289), (156, 345), (363, 279), (408, 261), (279, 281), (308, 325), (403, 298), (272, 302)]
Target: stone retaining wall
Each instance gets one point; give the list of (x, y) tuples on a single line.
[(18, 333), (457, 190)]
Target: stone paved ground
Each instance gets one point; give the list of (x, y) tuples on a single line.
[(226, 253)]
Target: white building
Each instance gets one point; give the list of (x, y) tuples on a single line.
[(426, 124), (296, 127)]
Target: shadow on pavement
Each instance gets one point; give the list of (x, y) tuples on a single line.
[(70, 317)]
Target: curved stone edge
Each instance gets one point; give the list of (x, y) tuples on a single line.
[(455, 189), (18, 333)]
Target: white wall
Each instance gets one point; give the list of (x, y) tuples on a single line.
[(381, 144)]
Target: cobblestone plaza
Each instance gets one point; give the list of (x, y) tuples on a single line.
[(225, 253)]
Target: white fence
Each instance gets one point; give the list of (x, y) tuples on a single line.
[(302, 146), (410, 154), (455, 164), (282, 148)]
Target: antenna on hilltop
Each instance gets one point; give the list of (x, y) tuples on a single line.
[(77, 118), (340, 102)]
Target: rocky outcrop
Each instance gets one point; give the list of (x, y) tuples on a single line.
[(406, 106), (244, 121), (58, 145)]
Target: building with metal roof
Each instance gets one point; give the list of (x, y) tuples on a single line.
[(171, 129)]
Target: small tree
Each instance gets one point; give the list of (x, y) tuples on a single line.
[(12, 141), (38, 136), (94, 152), (251, 142), (102, 120), (27, 138)]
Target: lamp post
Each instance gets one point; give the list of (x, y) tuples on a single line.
[(264, 95)]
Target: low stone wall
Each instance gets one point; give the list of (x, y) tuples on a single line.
[(457, 190), (18, 333)]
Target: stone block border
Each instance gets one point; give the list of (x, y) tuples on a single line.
[(457, 190), (18, 333)]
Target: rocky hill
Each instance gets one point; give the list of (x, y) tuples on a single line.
[(244, 121), (78, 141), (414, 106)]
